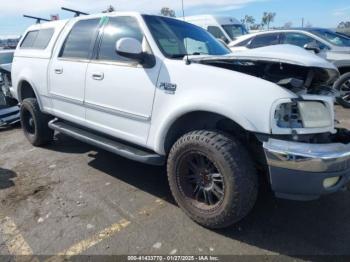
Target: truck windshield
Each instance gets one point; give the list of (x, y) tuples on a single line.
[(332, 37), (177, 39), (235, 30), (6, 58)]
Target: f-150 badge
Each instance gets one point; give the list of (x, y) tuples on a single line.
[(168, 87)]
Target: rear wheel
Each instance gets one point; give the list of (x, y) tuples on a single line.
[(343, 86), (212, 178), (35, 123)]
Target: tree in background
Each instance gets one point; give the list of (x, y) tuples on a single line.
[(288, 25), (267, 19), (166, 11), (248, 21), (256, 27), (344, 25), (109, 9)]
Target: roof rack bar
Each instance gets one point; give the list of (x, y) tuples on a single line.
[(76, 12), (38, 19)]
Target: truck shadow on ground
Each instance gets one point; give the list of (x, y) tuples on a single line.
[(65, 144), (280, 226), (297, 229), (6, 178), (289, 228)]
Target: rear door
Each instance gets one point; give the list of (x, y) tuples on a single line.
[(68, 69), (119, 91)]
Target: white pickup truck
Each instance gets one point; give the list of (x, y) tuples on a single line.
[(162, 91)]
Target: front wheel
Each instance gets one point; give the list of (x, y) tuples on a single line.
[(212, 178), (343, 86)]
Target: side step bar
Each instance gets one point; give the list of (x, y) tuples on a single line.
[(107, 144)]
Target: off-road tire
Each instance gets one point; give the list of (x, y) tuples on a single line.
[(338, 84), (237, 168), (41, 134)]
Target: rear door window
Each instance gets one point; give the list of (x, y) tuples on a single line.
[(81, 39), (264, 40), (38, 39)]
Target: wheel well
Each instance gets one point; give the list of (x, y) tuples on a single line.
[(345, 69), (210, 121), (25, 91), (202, 120)]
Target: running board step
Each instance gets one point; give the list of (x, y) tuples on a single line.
[(107, 144)]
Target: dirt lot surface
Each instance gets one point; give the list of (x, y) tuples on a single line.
[(71, 198)]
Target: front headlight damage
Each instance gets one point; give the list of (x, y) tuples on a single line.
[(303, 115)]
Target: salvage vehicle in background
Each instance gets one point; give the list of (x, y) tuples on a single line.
[(325, 43), (224, 28), (162, 91), (9, 110)]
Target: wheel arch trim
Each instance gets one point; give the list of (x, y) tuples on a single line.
[(162, 132), (21, 81)]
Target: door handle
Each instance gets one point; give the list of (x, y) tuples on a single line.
[(59, 71), (98, 76)]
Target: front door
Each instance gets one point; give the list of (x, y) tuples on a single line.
[(119, 92)]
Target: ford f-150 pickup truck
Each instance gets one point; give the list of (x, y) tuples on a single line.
[(162, 91)]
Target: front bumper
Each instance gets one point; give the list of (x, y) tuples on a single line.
[(298, 170)]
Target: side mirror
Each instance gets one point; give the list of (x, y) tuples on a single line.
[(130, 48), (312, 47)]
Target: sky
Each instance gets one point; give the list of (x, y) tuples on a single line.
[(319, 13)]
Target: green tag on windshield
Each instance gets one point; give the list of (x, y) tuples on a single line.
[(104, 20)]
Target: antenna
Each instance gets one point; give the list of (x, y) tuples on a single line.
[(76, 12), (38, 19), (183, 17), (183, 10)]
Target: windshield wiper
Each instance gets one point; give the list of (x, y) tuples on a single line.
[(178, 55), (183, 55)]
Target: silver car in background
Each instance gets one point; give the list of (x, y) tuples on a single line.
[(328, 44)]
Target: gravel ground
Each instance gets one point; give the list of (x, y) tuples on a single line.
[(71, 198)]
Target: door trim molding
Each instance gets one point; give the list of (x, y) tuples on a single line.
[(117, 112), (100, 108), (66, 99)]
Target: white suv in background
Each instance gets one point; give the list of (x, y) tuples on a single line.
[(330, 45), (224, 28)]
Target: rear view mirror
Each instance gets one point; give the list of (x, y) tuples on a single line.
[(130, 48), (312, 46)]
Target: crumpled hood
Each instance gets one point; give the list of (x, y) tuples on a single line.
[(277, 53)]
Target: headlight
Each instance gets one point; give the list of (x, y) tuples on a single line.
[(314, 114), (303, 114)]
